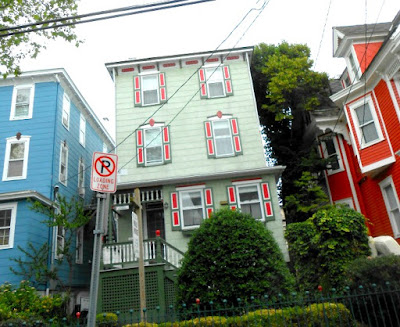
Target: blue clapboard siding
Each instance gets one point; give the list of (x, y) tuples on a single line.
[(46, 134)]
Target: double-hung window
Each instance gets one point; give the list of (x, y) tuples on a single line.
[(252, 197), (353, 67), (222, 137), (153, 145), (149, 89), (392, 204), (16, 158), (63, 174), (60, 242), (66, 106), (190, 205), (8, 213), (215, 82), (22, 102), (82, 130), (366, 122), (330, 150)]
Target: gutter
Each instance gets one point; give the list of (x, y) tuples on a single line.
[(277, 171), (26, 194)]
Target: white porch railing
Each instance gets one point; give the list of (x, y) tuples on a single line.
[(145, 196), (116, 255)]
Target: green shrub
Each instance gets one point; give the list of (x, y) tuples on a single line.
[(375, 275), (231, 256), (321, 247), (106, 319), (24, 303)]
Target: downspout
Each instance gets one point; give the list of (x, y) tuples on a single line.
[(52, 192)]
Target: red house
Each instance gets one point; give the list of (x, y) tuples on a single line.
[(363, 134)]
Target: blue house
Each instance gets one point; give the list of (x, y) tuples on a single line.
[(48, 134)]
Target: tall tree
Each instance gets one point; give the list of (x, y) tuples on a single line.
[(14, 13), (286, 88)]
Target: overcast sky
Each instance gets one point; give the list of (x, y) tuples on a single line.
[(200, 27)]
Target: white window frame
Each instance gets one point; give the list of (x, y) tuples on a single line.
[(79, 245), (82, 130), (358, 104), (65, 181), (388, 181), (325, 154), (13, 207), (66, 111), (354, 70), (160, 135), (215, 74), (14, 101), (61, 237), (142, 78), (347, 202), (230, 137), (182, 190), (12, 140), (255, 183)]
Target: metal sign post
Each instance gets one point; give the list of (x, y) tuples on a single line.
[(104, 170)]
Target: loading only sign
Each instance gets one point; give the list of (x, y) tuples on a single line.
[(104, 172)]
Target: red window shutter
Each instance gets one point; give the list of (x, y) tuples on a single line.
[(232, 195), (209, 139), (203, 85), (166, 144), (163, 91), (268, 209), (139, 147), (176, 223), (236, 136), (209, 201), (137, 91), (265, 191), (228, 80), (174, 201)]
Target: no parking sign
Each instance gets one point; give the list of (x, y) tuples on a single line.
[(104, 172)]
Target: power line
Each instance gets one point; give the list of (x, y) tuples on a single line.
[(323, 32), (170, 4)]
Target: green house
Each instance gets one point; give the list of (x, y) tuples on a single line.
[(189, 139)]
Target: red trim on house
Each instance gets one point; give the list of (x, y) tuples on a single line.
[(203, 89), (149, 67), (232, 58), (246, 179), (212, 60), (171, 64), (209, 212), (126, 70), (137, 96), (191, 62), (226, 72), (190, 185), (228, 86), (202, 75), (233, 208), (163, 96), (162, 79), (365, 54)]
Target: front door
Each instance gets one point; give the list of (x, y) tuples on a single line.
[(155, 220)]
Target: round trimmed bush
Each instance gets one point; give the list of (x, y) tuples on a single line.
[(231, 256)]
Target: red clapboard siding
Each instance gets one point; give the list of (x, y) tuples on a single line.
[(388, 113), (372, 50), (340, 186)]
